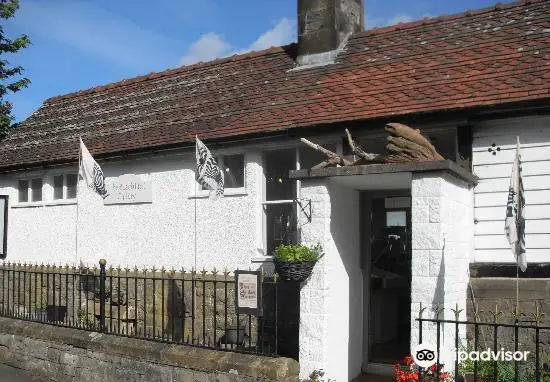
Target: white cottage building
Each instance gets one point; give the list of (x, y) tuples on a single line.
[(471, 82)]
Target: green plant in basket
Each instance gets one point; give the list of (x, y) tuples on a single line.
[(298, 252), (295, 262)]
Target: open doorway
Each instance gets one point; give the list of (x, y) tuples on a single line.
[(387, 245)]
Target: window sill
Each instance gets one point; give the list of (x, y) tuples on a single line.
[(262, 259), (61, 202), (28, 205), (202, 194)]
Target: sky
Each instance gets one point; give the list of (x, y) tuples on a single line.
[(78, 44)]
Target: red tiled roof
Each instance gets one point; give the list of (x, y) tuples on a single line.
[(488, 57)]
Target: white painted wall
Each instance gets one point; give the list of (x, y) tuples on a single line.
[(492, 191), (331, 311), (442, 245), (229, 231)]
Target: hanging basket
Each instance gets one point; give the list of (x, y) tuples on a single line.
[(294, 270)]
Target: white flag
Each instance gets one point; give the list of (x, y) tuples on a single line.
[(91, 172), (209, 174), (515, 213)]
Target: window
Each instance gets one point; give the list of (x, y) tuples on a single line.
[(3, 225), (29, 190), (233, 170), (23, 187), (281, 193), (64, 186), (279, 207)]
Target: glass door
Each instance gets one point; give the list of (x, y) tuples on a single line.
[(390, 279)]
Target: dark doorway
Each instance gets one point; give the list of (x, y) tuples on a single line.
[(390, 278)]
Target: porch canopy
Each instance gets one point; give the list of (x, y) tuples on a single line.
[(334, 324), (401, 172)]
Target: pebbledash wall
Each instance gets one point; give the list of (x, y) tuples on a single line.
[(162, 233)]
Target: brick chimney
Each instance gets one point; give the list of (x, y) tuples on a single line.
[(324, 26)]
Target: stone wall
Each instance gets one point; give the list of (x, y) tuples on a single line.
[(488, 294), (192, 308), (64, 354)]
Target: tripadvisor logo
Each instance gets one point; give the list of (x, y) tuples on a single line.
[(491, 355), (425, 355)]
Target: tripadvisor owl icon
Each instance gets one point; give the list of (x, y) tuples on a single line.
[(425, 355)]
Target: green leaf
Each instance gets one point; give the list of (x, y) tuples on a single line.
[(298, 252), (9, 81)]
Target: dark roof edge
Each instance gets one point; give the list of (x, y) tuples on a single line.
[(385, 168)]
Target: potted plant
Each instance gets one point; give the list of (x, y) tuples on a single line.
[(408, 371), (295, 262)]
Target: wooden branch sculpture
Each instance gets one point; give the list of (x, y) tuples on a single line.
[(404, 145), (334, 159), (408, 144), (357, 150)]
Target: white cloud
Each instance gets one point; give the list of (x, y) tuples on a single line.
[(399, 19), (95, 31), (208, 47), (212, 45), (283, 33)]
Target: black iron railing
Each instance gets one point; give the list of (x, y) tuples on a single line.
[(193, 308), (513, 334)]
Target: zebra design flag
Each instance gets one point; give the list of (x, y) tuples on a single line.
[(91, 172), (209, 174), (515, 209)]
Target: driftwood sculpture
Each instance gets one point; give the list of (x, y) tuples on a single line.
[(404, 145)]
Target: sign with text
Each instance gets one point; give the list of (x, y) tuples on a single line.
[(248, 292), (129, 189)]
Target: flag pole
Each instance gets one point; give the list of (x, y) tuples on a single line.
[(517, 286), (77, 204), (195, 187), (518, 247)]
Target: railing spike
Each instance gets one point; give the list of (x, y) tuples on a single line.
[(421, 311), (457, 312), (496, 313), (538, 315), (438, 311)]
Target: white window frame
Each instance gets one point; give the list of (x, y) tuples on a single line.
[(198, 192), (29, 202), (339, 149), (64, 199)]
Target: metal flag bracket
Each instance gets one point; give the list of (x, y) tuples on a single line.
[(305, 207)]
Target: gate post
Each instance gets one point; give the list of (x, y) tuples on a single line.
[(102, 278)]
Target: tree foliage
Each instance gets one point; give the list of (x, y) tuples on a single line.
[(7, 73)]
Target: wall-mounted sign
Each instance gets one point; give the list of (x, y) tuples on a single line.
[(128, 189), (3, 225), (248, 292)]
